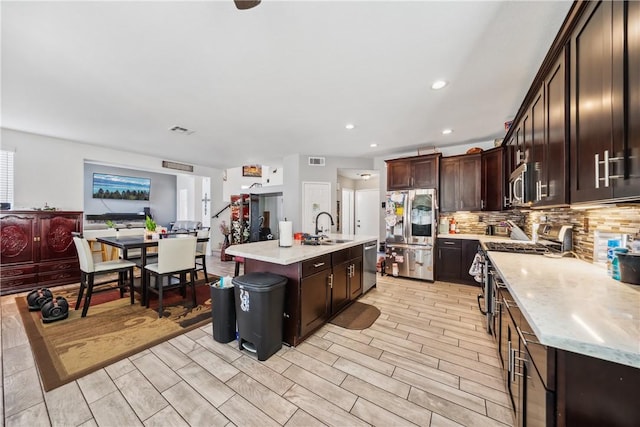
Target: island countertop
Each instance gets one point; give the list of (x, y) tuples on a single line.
[(270, 251), (574, 305)]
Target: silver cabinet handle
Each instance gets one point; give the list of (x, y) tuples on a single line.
[(319, 264), (597, 174), (606, 168), (449, 243), (331, 281)]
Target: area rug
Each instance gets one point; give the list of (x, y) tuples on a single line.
[(113, 329), (357, 316)]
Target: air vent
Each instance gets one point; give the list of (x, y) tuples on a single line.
[(181, 130), (316, 161), (177, 166)]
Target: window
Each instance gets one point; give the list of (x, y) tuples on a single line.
[(6, 178)]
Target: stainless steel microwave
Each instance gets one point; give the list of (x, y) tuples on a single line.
[(520, 185)]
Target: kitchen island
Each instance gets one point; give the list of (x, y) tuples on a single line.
[(323, 279)]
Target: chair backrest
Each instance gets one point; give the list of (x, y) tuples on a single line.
[(176, 254), (94, 234), (201, 247), (131, 232), (84, 255)]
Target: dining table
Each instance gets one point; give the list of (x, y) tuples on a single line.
[(142, 242)]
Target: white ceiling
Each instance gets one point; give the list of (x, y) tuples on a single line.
[(282, 78)]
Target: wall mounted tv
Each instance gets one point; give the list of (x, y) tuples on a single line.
[(117, 187)]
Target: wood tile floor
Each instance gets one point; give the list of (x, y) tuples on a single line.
[(426, 361)]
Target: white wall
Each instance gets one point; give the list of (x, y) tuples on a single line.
[(51, 170)]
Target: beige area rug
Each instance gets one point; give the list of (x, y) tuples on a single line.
[(114, 329), (357, 316)]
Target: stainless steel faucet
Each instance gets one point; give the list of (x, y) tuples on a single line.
[(318, 216)]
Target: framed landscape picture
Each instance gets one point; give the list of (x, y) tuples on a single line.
[(252, 170), (106, 186)]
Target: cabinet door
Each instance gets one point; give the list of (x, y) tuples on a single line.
[(355, 282), (554, 186), (629, 185), (493, 179), (470, 183), (591, 103), (398, 174), (538, 147), (314, 303), (19, 239), (449, 172), (340, 286), (425, 173), (448, 262), (56, 240)]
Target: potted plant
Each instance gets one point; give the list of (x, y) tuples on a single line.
[(150, 227), (110, 224)]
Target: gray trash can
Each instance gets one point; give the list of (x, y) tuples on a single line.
[(223, 313), (259, 311)]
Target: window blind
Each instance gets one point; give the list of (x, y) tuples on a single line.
[(6, 177)]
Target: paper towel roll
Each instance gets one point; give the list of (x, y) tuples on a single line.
[(285, 231)]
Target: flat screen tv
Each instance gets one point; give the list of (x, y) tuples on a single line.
[(117, 187)]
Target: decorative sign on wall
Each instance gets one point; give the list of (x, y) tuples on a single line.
[(252, 170)]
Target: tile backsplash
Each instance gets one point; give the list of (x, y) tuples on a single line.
[(623, 219)]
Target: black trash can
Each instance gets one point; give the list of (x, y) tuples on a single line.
[(223, 313), (259, 311)]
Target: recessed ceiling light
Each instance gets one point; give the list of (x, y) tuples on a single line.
[(447, 131), (350, 126), (438, 84), (373, 145)]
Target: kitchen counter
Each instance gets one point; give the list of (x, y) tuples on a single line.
[(573, 305), (269, 251)]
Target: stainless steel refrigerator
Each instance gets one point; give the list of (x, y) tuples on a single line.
[(411, 224)]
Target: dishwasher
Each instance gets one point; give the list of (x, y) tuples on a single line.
[(370, 261)]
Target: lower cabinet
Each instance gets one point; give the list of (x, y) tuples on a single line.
[(346, 281), (454, 258), (314, 293)]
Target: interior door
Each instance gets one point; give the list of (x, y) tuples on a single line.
[(347, 208), (366, 212), (316, 198)]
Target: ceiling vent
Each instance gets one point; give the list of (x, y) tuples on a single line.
[(181, 130), (177, 166), (316, 161)]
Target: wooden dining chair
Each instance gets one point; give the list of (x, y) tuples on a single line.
[(90, 269), (176, 257), (201, 253)]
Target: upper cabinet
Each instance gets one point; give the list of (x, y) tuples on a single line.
[(413, 172), (460, 183), (605, 81), (493, 179)]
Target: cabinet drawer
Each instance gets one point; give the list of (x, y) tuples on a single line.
[(59, 266), (450, 243), (339, 257), (355, 251), (316, 264), (543, 357), (18, 282), (19, 270)]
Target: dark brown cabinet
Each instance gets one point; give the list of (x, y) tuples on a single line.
[(604, 84), (339, 280), (454, 258), (493, 179), (460, 183), (413, 172), (37, 249), (315, 292)]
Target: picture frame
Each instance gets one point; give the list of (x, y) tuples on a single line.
[(117, 187), (252, 170)]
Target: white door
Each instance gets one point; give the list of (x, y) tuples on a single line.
[(367, 212), (316, 198), (346, 214)]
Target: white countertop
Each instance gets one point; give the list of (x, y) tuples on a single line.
[(574, 305), (269, 251)]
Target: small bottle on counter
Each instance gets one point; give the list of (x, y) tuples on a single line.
[(452, 226)]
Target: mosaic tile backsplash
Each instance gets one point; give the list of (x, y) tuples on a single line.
[(624, 219)]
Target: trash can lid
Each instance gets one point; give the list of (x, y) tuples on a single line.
[(260, 280)]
